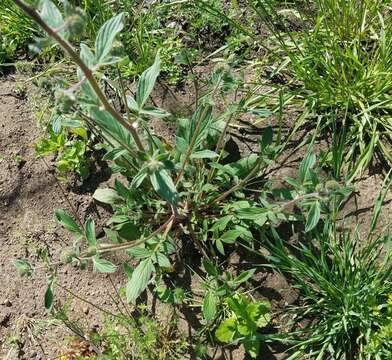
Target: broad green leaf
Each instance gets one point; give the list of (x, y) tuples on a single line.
[(86, 55), (48, 299), (244, 276), (164, 186), (204, 154), (147, 82), (266, 138), (229, 237), (112, 235), (251, 213), (68, 222), (226, 330), (139, 280), (245, 165), (128, 270), (210, 269), (105, 37), (162, 260), (259, 311), (306, 165), (313, 216), (220, 247), (111, 126), (23, 267), (52, 15), (209, 306), (166, 295), (252, 346), (103, 266), (107, 196), (128, 231), (155, 112), (132, 104), (140, 252), (90, 231), (139, 178), (114, 154)]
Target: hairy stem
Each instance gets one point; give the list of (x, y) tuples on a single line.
[(66, 46)]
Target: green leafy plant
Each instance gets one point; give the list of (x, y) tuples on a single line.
[(246, 316), (142, 335), (380, 341), (70, 147), (189, 190)]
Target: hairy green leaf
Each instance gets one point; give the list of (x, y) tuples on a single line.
[(107, 196), (90, 231), (147, 82), (52, 15), (313, 216), (103, 266), (204, 154), (164, 186), (68, 222), (139, 280), (105, 37), (209, 306)]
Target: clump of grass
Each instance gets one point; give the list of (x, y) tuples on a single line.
[(345, 283), (342, 57), (16, 31)]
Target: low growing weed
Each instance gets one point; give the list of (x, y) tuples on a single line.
[(345, 283), (186, 192)]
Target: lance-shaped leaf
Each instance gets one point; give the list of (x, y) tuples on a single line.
[(209, 306), (139, 279), (105, 37), (67, 221), (103, 266), (90, 232), (52, 15), (111, 126), (147, 82), (313, 216), (107, 196), (164, 186)]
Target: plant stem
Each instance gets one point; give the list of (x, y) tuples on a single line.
[(238, 185), (86, 70), (104, 248), (192, 144)]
